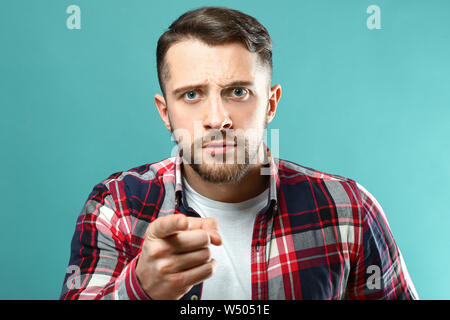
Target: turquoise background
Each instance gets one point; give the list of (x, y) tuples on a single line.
[(77, 105)]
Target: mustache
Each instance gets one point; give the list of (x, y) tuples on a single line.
[(227, 137)]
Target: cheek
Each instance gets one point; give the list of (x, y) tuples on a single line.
[(182, 131), (182, 121), (251, 118)]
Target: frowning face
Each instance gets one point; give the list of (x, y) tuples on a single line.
[(217, 104)]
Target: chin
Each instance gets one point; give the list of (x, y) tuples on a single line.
[(221, 172)]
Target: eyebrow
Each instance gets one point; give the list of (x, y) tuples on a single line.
[(238, 83)]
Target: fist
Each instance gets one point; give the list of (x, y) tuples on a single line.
[(175, 255)]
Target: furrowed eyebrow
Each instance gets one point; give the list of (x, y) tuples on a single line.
[(202, 86), (240, 84), (187, 88)]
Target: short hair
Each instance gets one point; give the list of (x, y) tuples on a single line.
[(214, 26)]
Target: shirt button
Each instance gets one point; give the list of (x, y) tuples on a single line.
[(194, 297)]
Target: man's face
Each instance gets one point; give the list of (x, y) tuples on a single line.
[(217, 106)]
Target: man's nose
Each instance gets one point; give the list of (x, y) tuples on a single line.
[(215, 114)]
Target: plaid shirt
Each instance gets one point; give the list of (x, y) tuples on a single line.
[(320, 236)]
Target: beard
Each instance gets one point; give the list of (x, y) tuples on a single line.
[(223, 168), (221, 174)]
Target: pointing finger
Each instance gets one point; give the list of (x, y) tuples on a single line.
[(166, 226), (208, 224)]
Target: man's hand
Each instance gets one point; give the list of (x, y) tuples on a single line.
[(175, 255)]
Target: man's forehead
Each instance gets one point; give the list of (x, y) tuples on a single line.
[(192, 61)]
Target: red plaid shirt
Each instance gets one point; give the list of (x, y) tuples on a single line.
[(320, 236)]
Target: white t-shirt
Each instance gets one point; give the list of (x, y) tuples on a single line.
[(232, 279)]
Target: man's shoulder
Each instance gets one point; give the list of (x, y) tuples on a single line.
[(150, 173), (302, 183), (321, 186), (290, 170)]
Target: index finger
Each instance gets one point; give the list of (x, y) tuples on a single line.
[(203, 223), (208, 224), (166, 226)]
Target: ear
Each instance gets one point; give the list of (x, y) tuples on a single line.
[(274, 98), (161, 105)]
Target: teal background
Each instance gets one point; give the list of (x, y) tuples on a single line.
[(77, 105)]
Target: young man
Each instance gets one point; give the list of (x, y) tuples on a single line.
[(224, 219)]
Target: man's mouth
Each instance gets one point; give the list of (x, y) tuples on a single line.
[(219, 147)]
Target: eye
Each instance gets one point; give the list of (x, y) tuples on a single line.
[(238, 92), (191, 95)]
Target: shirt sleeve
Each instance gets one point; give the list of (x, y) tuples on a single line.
[(101, 265), (379, 271)]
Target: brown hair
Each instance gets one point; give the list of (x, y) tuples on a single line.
[(214, 26)]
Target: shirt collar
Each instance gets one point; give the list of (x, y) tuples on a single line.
[(270, 168)]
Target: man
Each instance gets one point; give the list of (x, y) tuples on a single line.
[(225, 219)]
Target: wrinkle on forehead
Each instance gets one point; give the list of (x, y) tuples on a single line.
[(193, 62)]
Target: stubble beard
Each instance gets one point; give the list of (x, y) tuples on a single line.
[(228, 168), (222, 172)]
